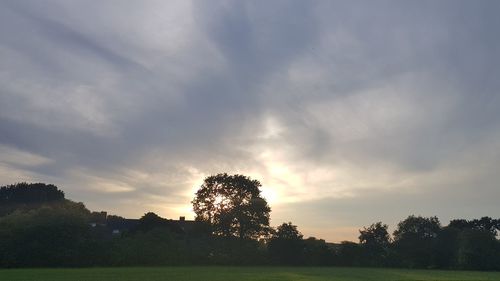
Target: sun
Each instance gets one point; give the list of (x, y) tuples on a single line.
[(219, 200)]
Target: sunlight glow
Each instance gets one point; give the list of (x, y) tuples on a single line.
[(219, 200)]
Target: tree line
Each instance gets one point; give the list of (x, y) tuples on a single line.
[(39, 227)]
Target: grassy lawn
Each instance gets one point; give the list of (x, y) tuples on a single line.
[(241, 273)]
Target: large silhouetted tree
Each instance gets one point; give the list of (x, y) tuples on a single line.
[(375, 235), (414, 239), (28, 196), (286, 245), (470, 244), (287, 231), (233, 206), (27, 193), (478, 249), (47, 236), (375, 241)]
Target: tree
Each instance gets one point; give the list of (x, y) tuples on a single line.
[(349, 254), (48, 236), (375, 235), (149, 221), (478, 249), (286, 245), (27, 193), (445, 250), (475, 244), (486, 224), (233, 206), (414, 240), (28, 196), (375, 241), (316, 252), (460, 224), (483, 224), (287, 231)]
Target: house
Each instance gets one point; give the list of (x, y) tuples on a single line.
[(115, 225)]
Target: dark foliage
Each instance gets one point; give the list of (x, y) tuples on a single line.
[(233, 206), (27, 196), (375, 241), (48, 236), (414, 240), (45, 230), (286, 246)]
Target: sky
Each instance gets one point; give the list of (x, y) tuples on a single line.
[(347, 112)]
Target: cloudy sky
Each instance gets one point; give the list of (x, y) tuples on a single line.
[(348, 112)]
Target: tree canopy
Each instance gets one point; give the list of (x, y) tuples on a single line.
[(414, 238), (233, 206), (375, 241), (29, 196), (483, 224), (286, 246), (375, 235), (287, 231), (417, 227), (37, 231), (30, 193)]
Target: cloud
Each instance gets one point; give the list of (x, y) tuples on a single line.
[(127, 106)]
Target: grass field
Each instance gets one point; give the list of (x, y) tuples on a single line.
[(241, 273)]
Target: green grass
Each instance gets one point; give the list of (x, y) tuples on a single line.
[(242, 274)]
